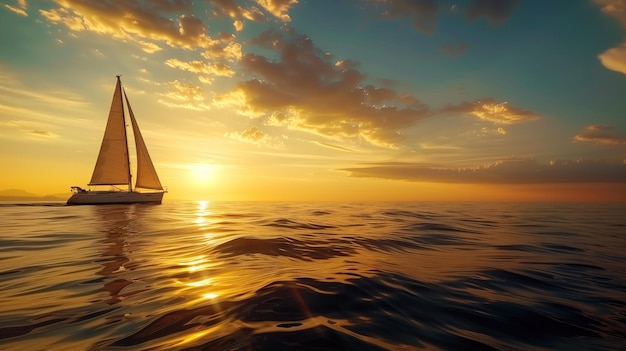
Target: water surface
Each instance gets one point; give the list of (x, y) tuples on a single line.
[(313, 276)]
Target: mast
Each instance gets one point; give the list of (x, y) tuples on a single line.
[(130, 176)]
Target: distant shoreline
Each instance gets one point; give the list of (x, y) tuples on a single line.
[(31, 198)]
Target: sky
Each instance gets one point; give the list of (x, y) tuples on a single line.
[(338, 100)]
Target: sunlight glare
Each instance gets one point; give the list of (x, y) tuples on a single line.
[(202, 211), (210, 296), (200, 283), (201, 173)]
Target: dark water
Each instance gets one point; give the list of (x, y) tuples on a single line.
[(313, 276)]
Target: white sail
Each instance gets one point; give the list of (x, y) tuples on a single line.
[(146, 174), (112, 166)]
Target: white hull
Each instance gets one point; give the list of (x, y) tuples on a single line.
[(114, 197)]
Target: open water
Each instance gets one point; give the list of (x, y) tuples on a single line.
[(313, 276)]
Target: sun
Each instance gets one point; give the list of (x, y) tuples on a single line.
[(202, 173)]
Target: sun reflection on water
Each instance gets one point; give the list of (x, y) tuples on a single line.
[(202, 212), (210, 296)]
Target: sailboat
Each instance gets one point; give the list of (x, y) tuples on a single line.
[(113, 163)]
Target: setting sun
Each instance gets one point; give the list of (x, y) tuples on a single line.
[(202, 173)]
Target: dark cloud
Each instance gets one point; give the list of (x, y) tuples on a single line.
[(455, 49), (422, 12), (494, 10), (425, 13), (508, 171), (600, 134)]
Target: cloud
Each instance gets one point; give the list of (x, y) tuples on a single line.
[(211, 69), (238, 25), (422, 12), (251, 135), (27, 127), (185, 92), (600, 134), (615, 58), (306, 89), (489, 109), (496, 11), (255, 136), (20, 9), (231, 9), (614, 8), (184, 95), (278, 8), (143, 22), (455, 49), (425, 13), (332, 146), (149, 47), (507, 171), (41, 133)]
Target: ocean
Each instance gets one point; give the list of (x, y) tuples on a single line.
[(313, 276)]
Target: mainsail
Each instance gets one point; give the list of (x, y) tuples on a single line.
[(113, 165), (146, 174)]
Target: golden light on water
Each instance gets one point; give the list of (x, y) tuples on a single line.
[(196, 267), (201, 213), (200, 283), (210, 296)]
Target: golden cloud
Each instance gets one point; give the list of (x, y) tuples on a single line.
[(615, 58), (183, 95), (255, 136), (278, 8), (41, 133), (251, 135), (489, 109), (142, 22), (216, 69), (20, 9), (310, 91)]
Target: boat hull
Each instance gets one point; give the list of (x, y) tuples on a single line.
[(114, 197)]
